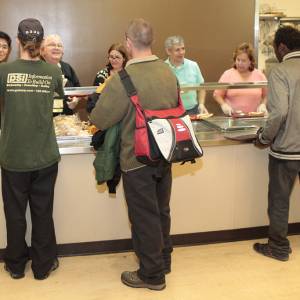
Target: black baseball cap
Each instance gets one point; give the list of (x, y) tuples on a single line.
[(30, 30)]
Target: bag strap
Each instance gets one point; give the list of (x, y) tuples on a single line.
[(132, 93), (129, 87)]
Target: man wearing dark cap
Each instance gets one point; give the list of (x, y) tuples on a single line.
[(29, 154), (281, 132)]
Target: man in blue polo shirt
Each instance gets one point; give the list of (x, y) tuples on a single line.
[(187, 72)]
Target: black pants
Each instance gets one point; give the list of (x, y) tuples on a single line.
[(37, 188), (282, 175), (147, 192)]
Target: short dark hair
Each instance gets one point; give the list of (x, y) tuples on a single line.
[(6, 37), (289, 36)]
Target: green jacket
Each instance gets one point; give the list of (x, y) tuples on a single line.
[(107, 157), (157, 89)]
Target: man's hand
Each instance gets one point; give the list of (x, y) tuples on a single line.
[(202, 109), (227, 109), (257, 142)]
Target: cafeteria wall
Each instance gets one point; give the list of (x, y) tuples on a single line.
[(211, 29)]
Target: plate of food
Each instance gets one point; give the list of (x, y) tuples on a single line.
[(199, 117)]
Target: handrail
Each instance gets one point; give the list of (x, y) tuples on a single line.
[(224, 86)]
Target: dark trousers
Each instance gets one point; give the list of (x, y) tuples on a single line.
[(282, 175), (147, 192), (37, 188)]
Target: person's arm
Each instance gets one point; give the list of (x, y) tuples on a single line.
[(201, 99), (262, 107), (202, 93), (219, 95), (112, 107), (263, 104), (277, 106), (226, 108)]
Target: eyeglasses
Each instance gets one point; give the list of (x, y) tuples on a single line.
[(53, 45), (115, 57)]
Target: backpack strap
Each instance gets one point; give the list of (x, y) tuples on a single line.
[(129, 87)]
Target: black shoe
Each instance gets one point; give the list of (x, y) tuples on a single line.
[(12, 274), (132, 279), (54, 266), (167, 270), (266, 250)]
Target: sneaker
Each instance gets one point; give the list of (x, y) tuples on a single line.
[(167, 270), (266, 250), (54, 266), (132, 279), (12, 274)]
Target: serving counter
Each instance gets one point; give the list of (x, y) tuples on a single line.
[(221, 197), (225, 190)]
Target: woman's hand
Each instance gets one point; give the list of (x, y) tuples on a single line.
[(262, 108), (227, 109)]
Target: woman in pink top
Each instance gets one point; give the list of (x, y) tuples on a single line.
[(242, 100)]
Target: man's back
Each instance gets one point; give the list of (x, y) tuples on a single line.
[(28, 140), (284, 103), (157, 89)]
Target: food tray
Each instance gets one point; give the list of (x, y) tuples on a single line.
[(79, 91), (248, 115)]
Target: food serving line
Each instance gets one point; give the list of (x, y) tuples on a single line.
[(222, 197)]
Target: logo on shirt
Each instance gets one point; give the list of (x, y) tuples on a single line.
[(17, 78), (29, 83)]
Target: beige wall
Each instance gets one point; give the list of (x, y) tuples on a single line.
[(211, 29), (290, 8)]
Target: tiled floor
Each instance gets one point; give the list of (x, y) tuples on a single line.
[(222, 271)]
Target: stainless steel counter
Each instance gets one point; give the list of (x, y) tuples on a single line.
[(217, 131), (206, 132), (74, 145)]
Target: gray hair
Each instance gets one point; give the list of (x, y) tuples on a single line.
[(173, 40), (52, 37), (140, 33)]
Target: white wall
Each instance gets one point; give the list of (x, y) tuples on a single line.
[(291, 8)]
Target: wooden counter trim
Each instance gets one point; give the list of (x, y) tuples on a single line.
[(188, 239)]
